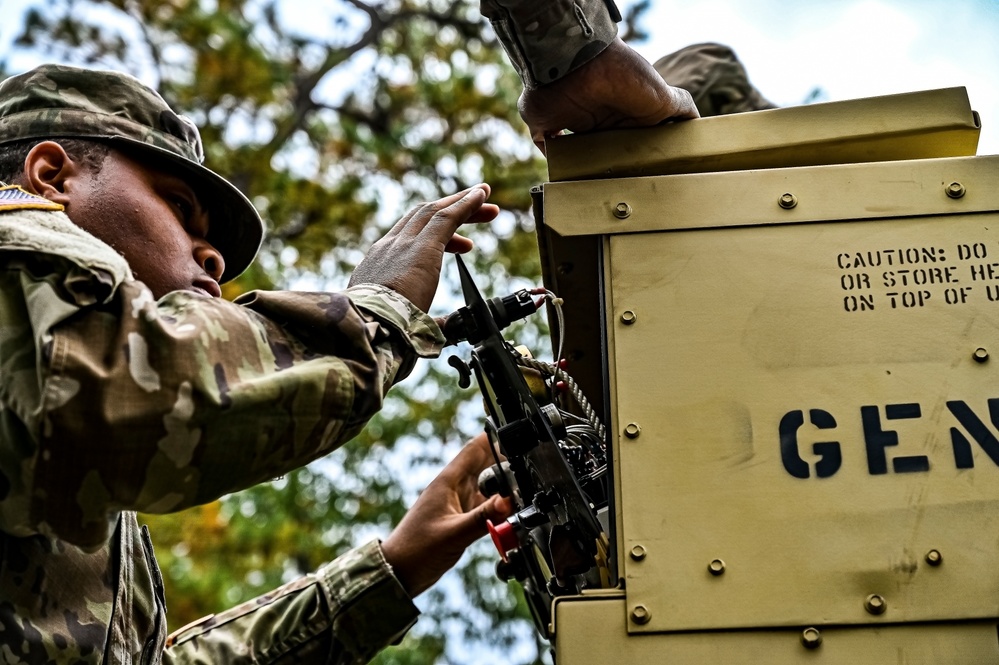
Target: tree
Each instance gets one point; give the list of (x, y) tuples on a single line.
[(334, 125)]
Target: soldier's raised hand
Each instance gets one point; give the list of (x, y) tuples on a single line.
[(408, 258)]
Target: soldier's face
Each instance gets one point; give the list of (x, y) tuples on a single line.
[(154, 219)]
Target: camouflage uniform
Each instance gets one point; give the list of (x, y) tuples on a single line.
[(547, 39), (111, 401)]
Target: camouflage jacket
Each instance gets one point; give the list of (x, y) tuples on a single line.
[(112, 402), (547, 39)]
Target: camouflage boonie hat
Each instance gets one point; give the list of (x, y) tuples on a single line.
[(54, 101), (714, 77)]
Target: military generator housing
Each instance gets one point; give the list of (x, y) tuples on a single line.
[(787, 320)]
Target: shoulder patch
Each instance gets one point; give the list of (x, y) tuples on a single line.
[(15, 198)]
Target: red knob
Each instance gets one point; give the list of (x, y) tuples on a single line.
[(504, 537)]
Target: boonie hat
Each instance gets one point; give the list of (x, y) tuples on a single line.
[(54, 101), (714, 77)]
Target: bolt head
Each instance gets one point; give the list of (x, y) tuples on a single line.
[(622, 210), (716, 567), (632, 430), (811, 638), (638, 553), (787, 201), (955, 190), (980, 355), (641, 615), (875, 604), (628, 317), (934, 558)]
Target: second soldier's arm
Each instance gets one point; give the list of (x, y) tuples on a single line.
[(577, 73), (545, 41)]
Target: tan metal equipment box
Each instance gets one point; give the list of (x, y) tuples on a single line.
[(790, 320)]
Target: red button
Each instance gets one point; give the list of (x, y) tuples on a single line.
[(504, 537)]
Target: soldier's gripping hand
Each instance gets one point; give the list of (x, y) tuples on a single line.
[(616, 89), (408, 259), (449, 516)]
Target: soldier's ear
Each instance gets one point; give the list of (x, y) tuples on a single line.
[(50, 172)]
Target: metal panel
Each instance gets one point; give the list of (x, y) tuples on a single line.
[(745, 198), (591, 631), (571, 262), (920, 125), (876, 335)]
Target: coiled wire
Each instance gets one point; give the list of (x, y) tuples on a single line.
[(553, 370)]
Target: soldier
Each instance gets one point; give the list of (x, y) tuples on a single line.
[(126, 383), (155, 395)]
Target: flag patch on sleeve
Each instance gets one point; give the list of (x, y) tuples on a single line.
[(15, 198)]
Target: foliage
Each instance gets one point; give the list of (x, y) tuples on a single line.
[(334, 117)]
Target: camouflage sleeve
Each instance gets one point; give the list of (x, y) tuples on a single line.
[(547, 39), (344, 613), (127, 403)]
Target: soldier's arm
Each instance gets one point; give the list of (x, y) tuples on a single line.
[(577, 74), (359, 603), (135, 404), (343, 613), (127, 403), (547, 40)]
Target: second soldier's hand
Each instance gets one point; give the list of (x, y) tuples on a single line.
[(616, 89)]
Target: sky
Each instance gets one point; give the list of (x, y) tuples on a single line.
[(848, 48)]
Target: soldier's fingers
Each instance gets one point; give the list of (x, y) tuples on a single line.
[(486, 213), (423, 211), (540, 138), (417, 218), (458, 245), (682, 104), (404, 220), (497, 508), (473, 457), (471, 206)]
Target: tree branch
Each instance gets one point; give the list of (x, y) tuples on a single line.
[(303, 102), (305, 85), (155, 53)]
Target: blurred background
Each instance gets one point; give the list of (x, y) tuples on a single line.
[(335, 117), (830, 50)]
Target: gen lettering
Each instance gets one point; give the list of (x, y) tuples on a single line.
[(967, 430)]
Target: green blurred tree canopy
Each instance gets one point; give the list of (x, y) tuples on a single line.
[(334, 118)]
